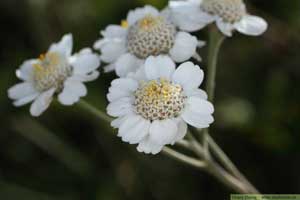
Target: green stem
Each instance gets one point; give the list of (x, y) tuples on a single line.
[(228, 164), (98, 113), (215, 42), (183, 158)]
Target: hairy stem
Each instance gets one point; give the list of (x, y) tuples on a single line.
[(215, 42)]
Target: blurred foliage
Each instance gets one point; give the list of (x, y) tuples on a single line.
[(68, 154)]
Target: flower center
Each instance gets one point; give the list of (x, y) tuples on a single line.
[(230, 11), (152, 35), (51, 71), (159, 100)]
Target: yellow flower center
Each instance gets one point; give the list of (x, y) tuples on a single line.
[(230, 11), (159, 100), (50, 71), (124, 24)]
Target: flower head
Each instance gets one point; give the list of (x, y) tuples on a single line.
[(55, 72), (146, 32), (154, 105), (193, 15)]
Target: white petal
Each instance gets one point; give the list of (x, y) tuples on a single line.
[(25, 72), (139, 75), (25, 100), (120, 107), (184, 47), (181, 132), (163, 132), (127, 63), (190, 17), (147, 146), (85, 77), (159, 67), (64, 47), (252, 25), (84, 63), (117, 122), (21, 90), (42, 103), (114, 31), (189, 76), (225, 28), (197, 112), (72, 92), (112, 49), (122, 87), (139, 13), (109, 68), (198, 93), (134, 129)]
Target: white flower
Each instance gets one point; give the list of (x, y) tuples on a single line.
[(56, 72), (146, 32), (193, 15), (154, 105)]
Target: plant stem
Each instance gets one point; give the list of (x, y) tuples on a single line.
[(183, 158), (98, 113), (228, 164), (215, 42)]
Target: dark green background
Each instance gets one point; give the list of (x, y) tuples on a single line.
[(67, 154)]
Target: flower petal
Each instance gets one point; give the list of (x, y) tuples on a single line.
[(64, 47), (252, 25), (197, 93), (21, 90), (85, 62), (42, 102), (198, 112), (114, 31), (189, 76), (181, 130), (25, 72), (112, 49), (122, 87), (188, 16), (147, 146), (163, 132), (139, 13), (134, 129), (120, 107), (25, 100), (72, 92), (127, 63), (225, 28), (117, 122), (159, 67), (86, 77), (184, 48)]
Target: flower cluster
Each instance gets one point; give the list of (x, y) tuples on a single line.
[(146, 32), (153, 101)]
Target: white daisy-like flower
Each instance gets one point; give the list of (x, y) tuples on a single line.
[(229, 15), (146, 32), (154, 105), (56, 72)]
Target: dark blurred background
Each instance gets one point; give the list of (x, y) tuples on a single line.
[(67, 154)]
